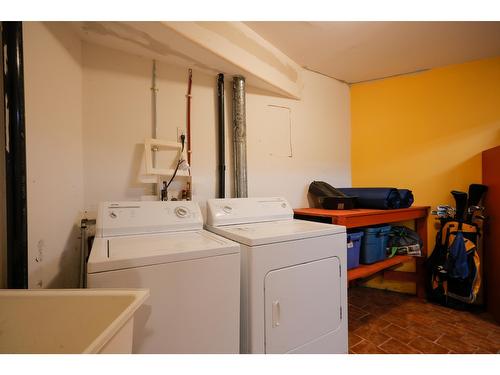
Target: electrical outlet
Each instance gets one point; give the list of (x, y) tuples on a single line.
[(180, 131)]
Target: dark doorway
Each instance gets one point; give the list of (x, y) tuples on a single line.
[(15, 155)]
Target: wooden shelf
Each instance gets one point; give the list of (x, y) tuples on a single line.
[(361, 217), (366, 270)]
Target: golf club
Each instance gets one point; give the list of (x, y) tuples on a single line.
[(461, 204), (476, 193)]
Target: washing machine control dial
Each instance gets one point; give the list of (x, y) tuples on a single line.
[(227, 209), (181, 211), (113, 215)]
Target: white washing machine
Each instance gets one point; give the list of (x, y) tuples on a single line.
[(293, 276), (193, 275)]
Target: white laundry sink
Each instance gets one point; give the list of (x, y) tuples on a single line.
[(68, 320)]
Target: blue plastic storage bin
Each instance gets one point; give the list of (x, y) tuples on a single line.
[(353, 247), (374, 243)]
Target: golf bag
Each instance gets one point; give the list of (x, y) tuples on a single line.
[(453, 270)]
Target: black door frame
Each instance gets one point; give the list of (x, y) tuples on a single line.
[(15, 155)]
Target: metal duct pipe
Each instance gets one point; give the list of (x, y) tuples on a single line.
[(239, 137)]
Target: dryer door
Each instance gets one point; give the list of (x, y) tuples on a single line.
[(302, 303)]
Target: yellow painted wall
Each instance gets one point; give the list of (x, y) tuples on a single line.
[(426, 132)]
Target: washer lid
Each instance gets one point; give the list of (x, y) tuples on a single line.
[(136, 251), (276, 231)]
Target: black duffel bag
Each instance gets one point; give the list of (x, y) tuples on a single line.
[(326, 196)]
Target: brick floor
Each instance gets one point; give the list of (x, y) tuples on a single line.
[(387, 322)]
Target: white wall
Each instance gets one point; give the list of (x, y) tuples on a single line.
[(117, 118), (315, 131), (88, 110), (53, 94)]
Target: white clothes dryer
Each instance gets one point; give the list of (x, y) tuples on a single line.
[(293, 276)]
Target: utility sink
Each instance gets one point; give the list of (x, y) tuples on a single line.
[(68, 320)]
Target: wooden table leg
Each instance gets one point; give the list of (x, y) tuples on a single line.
[(421, 229)]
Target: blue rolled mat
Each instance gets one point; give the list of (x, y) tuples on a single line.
[(406, 198), (378, 198)]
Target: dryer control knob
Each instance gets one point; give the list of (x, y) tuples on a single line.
[(181, 212), (227, 209), (113, 215)]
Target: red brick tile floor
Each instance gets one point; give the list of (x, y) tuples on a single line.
[(387, 322)]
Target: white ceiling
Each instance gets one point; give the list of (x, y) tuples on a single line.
[(361, 51)]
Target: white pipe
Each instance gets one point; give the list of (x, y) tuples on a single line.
[(154, 94)]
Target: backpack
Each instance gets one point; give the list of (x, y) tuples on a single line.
[(403, 241), (453, 270)]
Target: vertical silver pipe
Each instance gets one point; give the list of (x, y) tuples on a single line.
[(239, 137), (154, 130)]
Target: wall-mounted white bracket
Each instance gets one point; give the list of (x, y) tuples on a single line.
[(154, 145)]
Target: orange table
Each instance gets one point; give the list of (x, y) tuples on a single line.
[(365, 217)]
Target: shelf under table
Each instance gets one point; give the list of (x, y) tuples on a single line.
[(366, 270)]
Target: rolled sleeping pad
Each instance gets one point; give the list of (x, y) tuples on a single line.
[(379, 198), (406, 198)]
